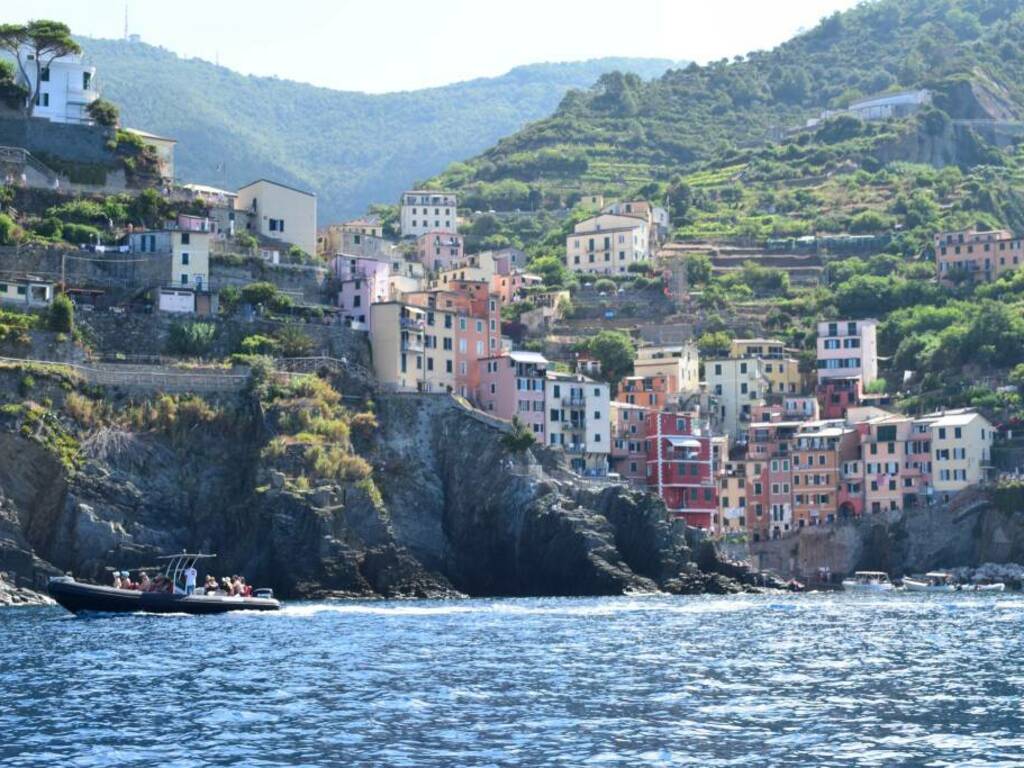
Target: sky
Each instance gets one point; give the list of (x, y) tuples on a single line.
[(392, 45)]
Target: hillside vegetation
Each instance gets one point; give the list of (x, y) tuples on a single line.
[(350, 148), (623, 133)]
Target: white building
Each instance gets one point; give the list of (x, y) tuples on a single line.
[(848, 349), (578, 420), (424, 211), (607, 244), (279, 212), (68, 87), (737, 386)]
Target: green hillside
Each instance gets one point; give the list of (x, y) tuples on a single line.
[(351, 148), (623, 132)]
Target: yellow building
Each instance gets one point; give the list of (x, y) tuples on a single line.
[(280, 212), (961, 449), (732, 498), (190, 259), (679, 363), (782, 372)]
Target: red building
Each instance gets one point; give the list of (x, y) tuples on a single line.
[(836, 395), (680, 466)]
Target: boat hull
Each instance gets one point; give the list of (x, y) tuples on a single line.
[(919, 586), (81, 598), (855, 586)]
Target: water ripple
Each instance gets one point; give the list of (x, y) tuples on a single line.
[(654, 681)]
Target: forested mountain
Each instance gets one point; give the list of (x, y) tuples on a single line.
[(623, 132), (350, 148)]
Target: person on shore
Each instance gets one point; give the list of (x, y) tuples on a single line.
[(190, 579)]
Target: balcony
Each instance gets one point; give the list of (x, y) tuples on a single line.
[(574, 402), (409, 322), (413, 345), (574, 448)]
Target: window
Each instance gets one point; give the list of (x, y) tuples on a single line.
[(185, 238), (44, 74), (184, 279), (42, 99)]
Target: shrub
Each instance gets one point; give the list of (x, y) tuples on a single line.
[(9, 231), (604, 285), (51, 227), (259, 293), (519, 438), (257, 344), (246, 240), (191, 338), (293, 341), (81, 234), (25, 385), (62, 314)]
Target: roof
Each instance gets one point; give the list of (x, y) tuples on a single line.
[(276, 184), (148, 135), (758, 341), (825, 432), (953, 420), (209, 189), (523, 356)]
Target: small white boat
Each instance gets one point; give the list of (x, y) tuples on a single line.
[(933, 581), (868, 581), (996, 587)]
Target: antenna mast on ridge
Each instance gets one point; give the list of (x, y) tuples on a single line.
[(125, 19)]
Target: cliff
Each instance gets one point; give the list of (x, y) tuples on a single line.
[(968, 532), (90, 483)]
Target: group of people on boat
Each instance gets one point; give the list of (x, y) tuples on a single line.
[(234, 586), (123, 580)]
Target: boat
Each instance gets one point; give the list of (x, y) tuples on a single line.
[(868, 581), (933, 581), (79, 597), (997, 586)]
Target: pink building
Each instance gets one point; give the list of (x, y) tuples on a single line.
[(187, 223), (363, 282), (509, 286), (629, 442), (439, 251), (512, 385), (477, 326), (680, 466)]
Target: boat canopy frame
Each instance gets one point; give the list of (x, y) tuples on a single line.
[(177, 564)]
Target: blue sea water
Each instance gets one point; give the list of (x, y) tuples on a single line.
[(801, 680)]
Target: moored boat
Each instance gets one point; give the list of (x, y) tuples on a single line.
[(993, 587), (933, 581), (79, 597), (868, 581)]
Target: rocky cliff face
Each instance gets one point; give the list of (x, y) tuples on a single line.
[(968, 532), (451, 511)]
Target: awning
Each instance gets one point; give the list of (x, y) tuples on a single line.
[(683, 442)]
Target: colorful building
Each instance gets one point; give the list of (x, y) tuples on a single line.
[(977, 256), (607, 244), (439, 251), (512, 386), (424, 210), (847, 349), (680, 466), (278, 212), (629, 442), (578, 420), (737, 386), (678, 363)]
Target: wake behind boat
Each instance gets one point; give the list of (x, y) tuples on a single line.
[(176, 595)]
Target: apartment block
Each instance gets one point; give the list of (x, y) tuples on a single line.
[(607, 244), (732, 498), (976, 256), (439, 251), (680, 466), (961, 450), (649, 391), (781, 370), (578, 420), (424, 211), (678, 363), (629, 442), (513, 386), (737, 386), (848, 349), (278, 212)]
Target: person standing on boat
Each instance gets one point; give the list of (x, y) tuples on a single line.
[(190, 579)]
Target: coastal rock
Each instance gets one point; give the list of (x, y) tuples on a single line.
[(12, 596)]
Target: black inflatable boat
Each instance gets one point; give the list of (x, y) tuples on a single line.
[(79, 597)]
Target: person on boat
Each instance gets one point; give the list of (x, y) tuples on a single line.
[(117, 580), (126, 580), (190, 579), (210, 585), (236, 586), (225, 584), (144, 582)]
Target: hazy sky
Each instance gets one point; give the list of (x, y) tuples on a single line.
[(388, 45)]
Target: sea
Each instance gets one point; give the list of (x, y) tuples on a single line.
[(827, 679)]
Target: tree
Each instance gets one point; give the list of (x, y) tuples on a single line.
[(519, 438), (38, 43), (294, 341), (62, 314), (698, 269), (104, 113), (615, 351)]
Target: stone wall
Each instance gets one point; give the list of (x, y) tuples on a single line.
[(86, 269), (68, 141)]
